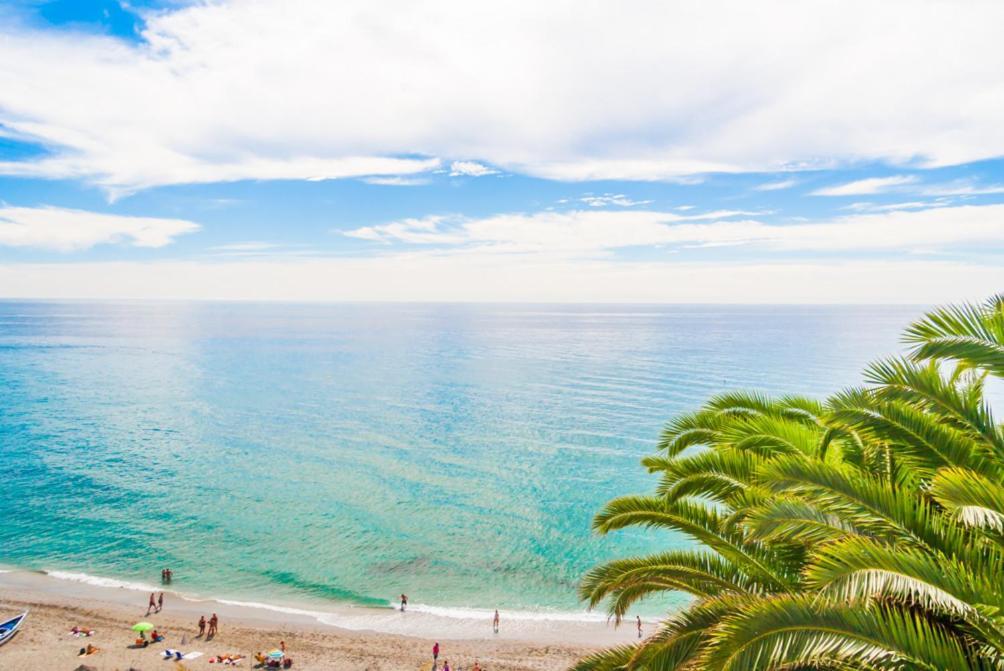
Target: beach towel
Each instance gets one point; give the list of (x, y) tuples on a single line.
[(177, 655)]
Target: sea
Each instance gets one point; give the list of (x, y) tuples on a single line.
[(349, 453)]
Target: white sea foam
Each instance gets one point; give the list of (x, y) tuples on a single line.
[(462, 613), (352, 617), (98, 581)]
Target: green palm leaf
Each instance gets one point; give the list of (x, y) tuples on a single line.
[(780, 632)]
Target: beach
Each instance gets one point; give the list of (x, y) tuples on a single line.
[(56, 605)]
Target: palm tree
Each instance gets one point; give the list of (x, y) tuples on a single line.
[(865, 532)]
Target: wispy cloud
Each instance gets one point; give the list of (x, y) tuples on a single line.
[(778, 185), (397, 181), (73, 230), (470, 169), (866, 187), (596, 232), (608, 199), (890, 207), (962, 187), (424, 230)]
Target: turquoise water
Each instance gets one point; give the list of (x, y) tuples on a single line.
[(354, 452)]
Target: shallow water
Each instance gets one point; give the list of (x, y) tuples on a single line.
[(291, 452)]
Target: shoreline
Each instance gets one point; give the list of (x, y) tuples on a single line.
[(60, 588)]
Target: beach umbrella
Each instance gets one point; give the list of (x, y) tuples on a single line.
[(142, 626), (276, 654)]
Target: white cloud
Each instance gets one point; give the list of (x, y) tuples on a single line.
[(486, 277), (250, 246), (397, 181), (470, 169), (607, 199), (776, 186), (889, 207), (261, 90), (71, 230), (418, 231), (963, 187), (866, 187), (589, 233)]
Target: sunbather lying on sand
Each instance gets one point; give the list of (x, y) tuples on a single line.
[(226, 659), (80, 632), (88, 651)]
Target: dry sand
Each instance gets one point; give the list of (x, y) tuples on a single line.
[(44, 642)]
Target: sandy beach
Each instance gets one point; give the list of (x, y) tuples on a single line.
[(56, 605)]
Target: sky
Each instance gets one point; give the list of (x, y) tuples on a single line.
[(561, 151)]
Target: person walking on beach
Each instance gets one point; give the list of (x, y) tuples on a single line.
[(202, 625), (638, 618), (213, 624), (495, 622), (160, 602), (404, 602), (153, 603), (446, 665), (435, 653)]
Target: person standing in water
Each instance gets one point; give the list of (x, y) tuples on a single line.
[(495, 622), (638, 618), (404, 602)]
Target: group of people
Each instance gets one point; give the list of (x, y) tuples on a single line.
[(446, 663), (88, 651), (166, 575), (214, 623), (229, 659), (283, 661), (156, 603), (142, 642)]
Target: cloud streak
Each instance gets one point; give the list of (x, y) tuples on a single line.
[(66, 230), (593, 232), (866, 187)]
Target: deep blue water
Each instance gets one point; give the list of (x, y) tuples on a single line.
[(353, 452)]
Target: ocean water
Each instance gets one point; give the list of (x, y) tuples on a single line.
[(294, 453)]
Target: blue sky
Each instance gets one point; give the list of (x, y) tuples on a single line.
[(567, 153)]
